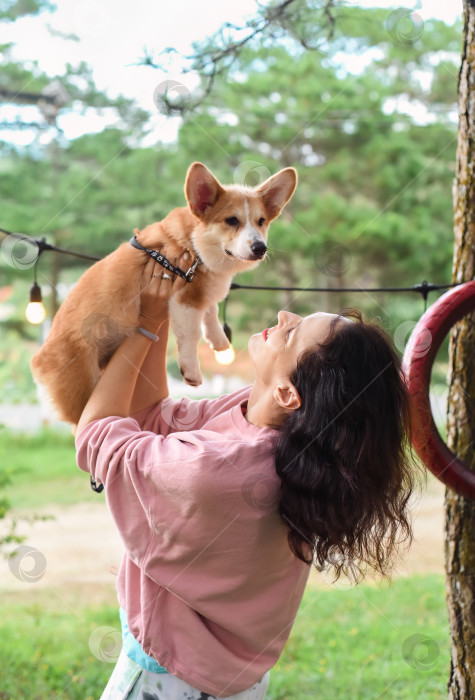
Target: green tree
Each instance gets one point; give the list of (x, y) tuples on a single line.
[(372, 144), (40, 182), (373, 203)]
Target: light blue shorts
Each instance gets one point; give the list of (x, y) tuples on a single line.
[(129, 681)]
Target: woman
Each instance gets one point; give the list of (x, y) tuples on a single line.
[(223, 504)]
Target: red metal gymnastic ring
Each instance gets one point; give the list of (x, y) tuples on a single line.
[(419, 355)]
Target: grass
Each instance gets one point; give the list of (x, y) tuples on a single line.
[(47, 654), (357, 643), (43, 470), (361, 643)]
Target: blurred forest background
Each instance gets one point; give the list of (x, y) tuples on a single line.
[(363, 103), (365, 109)]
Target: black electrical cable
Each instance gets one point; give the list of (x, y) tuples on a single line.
[(42, 245), (423, 288)]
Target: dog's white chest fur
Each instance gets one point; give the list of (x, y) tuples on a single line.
[(189, 323), (230, 236)]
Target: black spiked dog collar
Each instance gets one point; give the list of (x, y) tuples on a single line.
[(164, 262)]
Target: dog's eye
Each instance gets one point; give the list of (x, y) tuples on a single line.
[(232, 221), (261, 221)]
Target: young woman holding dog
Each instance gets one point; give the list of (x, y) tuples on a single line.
[(223, 504)]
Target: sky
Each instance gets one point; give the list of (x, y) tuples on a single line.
[(114, 33)]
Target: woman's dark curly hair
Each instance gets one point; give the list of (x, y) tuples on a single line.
[(344, 456)]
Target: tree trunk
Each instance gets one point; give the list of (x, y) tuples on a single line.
[(459, 511)]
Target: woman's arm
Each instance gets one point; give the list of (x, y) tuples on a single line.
[(151, 386), (114, 395)]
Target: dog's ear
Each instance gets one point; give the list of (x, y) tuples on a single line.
[(202, 189), (277, 190)]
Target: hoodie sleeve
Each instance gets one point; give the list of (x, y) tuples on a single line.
[(177, 415), (118, 454)]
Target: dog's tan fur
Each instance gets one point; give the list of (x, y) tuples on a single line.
[(103, 307)]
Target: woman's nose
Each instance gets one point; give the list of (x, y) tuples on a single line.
[(284, 317)]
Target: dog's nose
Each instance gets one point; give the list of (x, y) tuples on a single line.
[(258, 249)]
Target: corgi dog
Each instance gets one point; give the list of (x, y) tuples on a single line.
[(226, 226)]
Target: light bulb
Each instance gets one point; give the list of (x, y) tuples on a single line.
[(225, 357), (35, 311)]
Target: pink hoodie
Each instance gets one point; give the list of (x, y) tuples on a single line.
[(209, 584)]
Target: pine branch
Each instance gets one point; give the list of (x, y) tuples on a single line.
[(22, 98), (216, 57)]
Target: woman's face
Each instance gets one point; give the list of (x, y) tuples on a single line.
[(275, 351)]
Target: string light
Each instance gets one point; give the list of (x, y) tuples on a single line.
[(225, 357), (35, 312)]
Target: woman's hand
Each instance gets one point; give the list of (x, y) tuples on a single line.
[(161, 285)]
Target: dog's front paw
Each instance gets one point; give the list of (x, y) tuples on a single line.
[(191, 375), (224, 345), (218, 340)]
